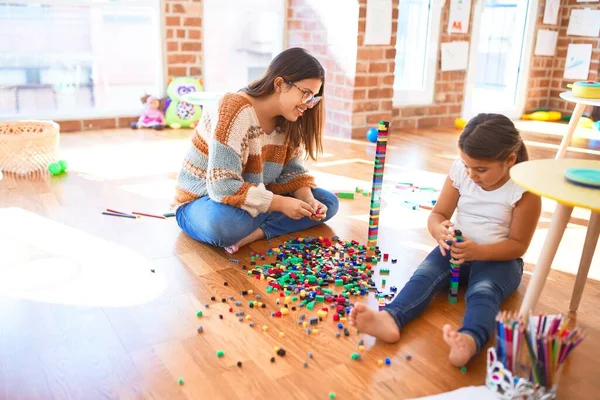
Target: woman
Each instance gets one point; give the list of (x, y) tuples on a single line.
[(242, 178)]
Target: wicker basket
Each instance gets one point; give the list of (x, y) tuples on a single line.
[(28, 146)]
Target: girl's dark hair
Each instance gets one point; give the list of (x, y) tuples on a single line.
[(296, 64), (492, 137)]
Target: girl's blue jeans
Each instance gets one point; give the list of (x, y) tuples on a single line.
[(489, 283), (222, 225)]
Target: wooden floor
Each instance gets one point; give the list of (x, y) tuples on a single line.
[(95, 307)]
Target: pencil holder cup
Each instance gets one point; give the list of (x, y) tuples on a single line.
[(509, 386)]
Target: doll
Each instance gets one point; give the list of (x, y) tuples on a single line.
[(152, 117)]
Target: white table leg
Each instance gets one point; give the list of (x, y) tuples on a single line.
[(589, 247), (566, 140), (540, 272)]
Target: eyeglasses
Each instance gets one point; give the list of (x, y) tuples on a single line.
[(308, 97)]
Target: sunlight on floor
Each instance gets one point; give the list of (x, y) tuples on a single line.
[(126, 160), (49, 262), (162, 189)]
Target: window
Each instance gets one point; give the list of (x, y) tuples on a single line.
[(416, 51), (499, 21), (71, 59), (240, 39)]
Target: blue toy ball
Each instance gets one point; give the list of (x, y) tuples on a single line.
[(372, 135)]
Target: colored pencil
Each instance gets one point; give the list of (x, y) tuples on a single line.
[(118, 215), (119, 212), (149, 215)]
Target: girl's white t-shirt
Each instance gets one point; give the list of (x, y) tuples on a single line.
[(483, 216)]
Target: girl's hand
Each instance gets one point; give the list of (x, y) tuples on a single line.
[(444, 234), (320, 209), (464, 251)]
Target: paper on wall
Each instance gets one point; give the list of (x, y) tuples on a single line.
[(551, 12), (455, 56), (577, 64), (584, 22), (378, 25), (588, 1), (460, 13), (545, 44)]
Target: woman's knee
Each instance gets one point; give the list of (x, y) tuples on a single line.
[(213, 223)]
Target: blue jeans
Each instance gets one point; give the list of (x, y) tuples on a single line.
[(489, 283), (223, 225)]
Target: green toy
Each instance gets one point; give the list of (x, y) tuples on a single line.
[(178, 113), (58, 167)]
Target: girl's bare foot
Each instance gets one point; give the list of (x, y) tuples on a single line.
[(378, 324), (254, 236), (462, 346)]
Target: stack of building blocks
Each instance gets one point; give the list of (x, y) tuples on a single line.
[(454, 274), (380, 150)]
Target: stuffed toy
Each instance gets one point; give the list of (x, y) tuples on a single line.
[(152, 117), (178, 113)]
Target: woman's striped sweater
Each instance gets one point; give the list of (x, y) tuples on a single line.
[(234, 162)]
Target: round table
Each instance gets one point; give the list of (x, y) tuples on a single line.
[(580, 104), (546, 178)]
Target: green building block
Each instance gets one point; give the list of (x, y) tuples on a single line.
[(339, 282), (269, 289), (355, 356), (345, 195), (310, 306), (180, 381), (452, 300), (320, 299), (384, 271), (220, 353), (199, 313), (454, 285)]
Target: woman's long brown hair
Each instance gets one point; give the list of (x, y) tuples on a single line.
[(293, 65)]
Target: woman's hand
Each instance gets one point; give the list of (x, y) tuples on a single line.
[(444, 233), (464, 251), (320, 209), (305, 194), (291, 207)]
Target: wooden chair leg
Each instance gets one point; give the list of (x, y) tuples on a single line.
[(589, 247), (542, 268)]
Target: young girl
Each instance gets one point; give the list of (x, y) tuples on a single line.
[(243, 179), (497, 219)]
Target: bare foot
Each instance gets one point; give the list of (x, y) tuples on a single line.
[(379, 324), (462, 346), (254, 236), (232, 249)]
